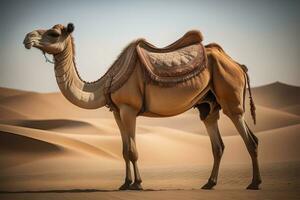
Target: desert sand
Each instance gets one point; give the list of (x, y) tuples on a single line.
[(50, 149)]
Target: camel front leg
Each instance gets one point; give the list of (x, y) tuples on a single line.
[(128, 118), (125, 142), (209, 114)]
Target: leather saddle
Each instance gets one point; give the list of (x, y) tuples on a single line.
[(175, 63)]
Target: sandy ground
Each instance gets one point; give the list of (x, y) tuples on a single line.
[(281, 181), (49, 146), (169, 194)]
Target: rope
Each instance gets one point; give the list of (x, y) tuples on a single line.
[(47, 59)]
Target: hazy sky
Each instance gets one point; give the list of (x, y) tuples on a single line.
[(264, 35)]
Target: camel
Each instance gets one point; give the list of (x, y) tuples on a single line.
[(220, 84)]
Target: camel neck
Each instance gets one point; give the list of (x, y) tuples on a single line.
[(89, 95)]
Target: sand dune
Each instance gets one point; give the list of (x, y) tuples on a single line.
[(294, 109), (174, 155), (16, 149), (73, 111), (7, 92), (268, 118), (11, 142), (48, 143), (58, 139), (277, 95), (6, 113), (54, 105), (58, 125), (24, 104), (280, 144), (163, 146), (47, 106), (276, 145), (192, 148)]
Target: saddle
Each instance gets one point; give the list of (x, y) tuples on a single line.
[(178, 62)]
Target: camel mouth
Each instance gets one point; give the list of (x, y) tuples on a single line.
[(28, 45)]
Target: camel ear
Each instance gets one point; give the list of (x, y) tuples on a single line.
[(70, 28)]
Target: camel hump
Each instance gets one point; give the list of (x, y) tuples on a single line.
[(215, 45), (220, 49), (189, 38), (175, 63)]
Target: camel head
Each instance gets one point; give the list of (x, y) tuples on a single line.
[(51, 41)]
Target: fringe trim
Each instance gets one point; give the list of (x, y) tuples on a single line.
[(172, 81)]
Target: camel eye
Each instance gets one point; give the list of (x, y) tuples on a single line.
[(54, 34)]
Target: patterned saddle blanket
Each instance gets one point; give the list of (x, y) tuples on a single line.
[(175, 63)]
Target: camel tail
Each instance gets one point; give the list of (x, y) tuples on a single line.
[(252, 105)]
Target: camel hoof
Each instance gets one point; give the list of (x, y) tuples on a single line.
[(125, 186), (209, 185), (253, 186), (135, 186)]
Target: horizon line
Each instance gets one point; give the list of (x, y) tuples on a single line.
[(58, 91)]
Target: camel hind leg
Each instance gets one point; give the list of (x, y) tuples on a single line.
[(251, 142), (234, 110), (229, 83)]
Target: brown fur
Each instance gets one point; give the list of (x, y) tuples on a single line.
[(124, 84), (245, 69), (116, 67)]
